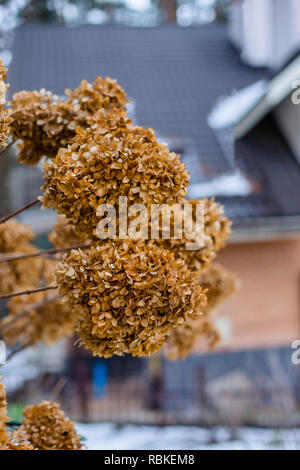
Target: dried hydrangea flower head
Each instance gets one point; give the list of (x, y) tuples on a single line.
[(219, 283), (8, 440), (44, 122), (47, 321), (14, 234), (110, 159), (3, 416), (47, 428), (131, 295), (17, 442), (64, 234), (217, 228), (41, 317), (183, 339), (85, 100), (16, 238), (5, 119), (41, 120)]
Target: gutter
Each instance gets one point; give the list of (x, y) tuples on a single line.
[(262, 229)]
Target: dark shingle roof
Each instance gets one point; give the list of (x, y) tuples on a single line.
[(175, 75)]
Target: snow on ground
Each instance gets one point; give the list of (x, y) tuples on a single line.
[(108, 436)]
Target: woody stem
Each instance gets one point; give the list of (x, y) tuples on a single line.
[(27, 310), (22, 209), (3, 149), (52, 251), (27, 292)]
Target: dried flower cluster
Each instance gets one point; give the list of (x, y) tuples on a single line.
[(8, 440), (14, 234), (46, 427), (183, 339), (109, 159), (31, 319), (5, 119), (21, 274), (65, 234), (112, 158), (217, 228), (3, 416), (41, 121), (40, 317), (131, 294), (104, 94), (18, 442), (219, 283), (44, 320), (44, 122)]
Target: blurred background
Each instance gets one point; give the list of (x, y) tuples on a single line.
[(214, 79)]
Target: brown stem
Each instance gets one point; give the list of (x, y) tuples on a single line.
[(26, 292), (52, 251), (24, 208), (58, 388), (6, 147), (27, 310)]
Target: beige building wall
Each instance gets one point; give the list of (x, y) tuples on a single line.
[(266, 309)]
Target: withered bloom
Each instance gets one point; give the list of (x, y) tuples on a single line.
[(219, 283), (41, 317), (41, 324), (3, 416), (110, 159), (13, 234), (85, 100), (7, 440), (217, 228), (65, 234), (131, 296), (183, 339), (44, 122), (46, 427), (5, 119), (41, 120), (17, 442), (15, 275)]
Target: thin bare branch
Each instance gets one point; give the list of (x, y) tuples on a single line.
[(26, 292), (4, 149), (22, 209), (27, 310), (58, 388), (52, 251)]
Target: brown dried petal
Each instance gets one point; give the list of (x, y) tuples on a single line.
[(46, 427), (131, 296)]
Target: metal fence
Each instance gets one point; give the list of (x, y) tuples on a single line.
[(258, 388)]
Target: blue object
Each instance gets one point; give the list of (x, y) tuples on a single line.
[(100, 378)]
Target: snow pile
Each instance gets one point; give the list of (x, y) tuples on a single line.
[(233, 183), (108, 436)]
